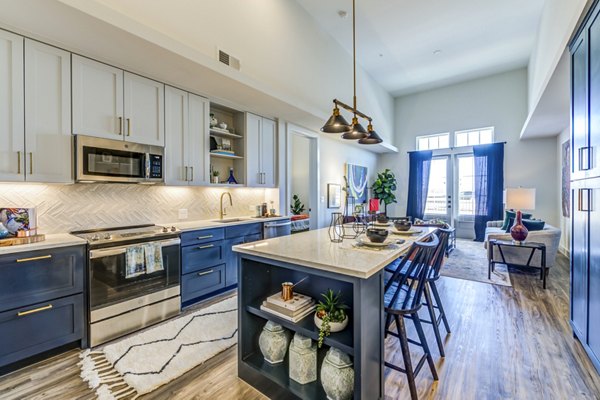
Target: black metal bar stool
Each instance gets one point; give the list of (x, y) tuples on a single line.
[(403, 299)]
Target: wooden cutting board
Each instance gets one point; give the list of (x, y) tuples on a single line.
[(15, 241)]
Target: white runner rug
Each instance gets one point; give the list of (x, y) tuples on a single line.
[(141, 363)]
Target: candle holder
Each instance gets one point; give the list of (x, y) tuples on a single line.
[(336, 227)]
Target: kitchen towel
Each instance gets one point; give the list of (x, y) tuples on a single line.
[(135, 262), (154, 259)]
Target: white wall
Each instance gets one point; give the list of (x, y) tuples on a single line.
[(559, 20), (564, 223), (300, 171), (333, 155), (499, 101)]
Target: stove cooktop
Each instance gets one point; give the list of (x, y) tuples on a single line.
[(128, 233)]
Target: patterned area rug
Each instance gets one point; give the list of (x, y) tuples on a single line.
[(141, 363), (469, 261)]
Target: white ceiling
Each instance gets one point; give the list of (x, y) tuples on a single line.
[(396, 39)]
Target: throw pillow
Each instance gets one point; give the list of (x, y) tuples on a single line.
[(508, 214), (530, 224)]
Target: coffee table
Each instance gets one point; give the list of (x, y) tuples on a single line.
[(526, 245)]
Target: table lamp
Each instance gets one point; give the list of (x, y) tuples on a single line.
[(519, 199)]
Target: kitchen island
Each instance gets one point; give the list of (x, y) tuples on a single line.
[(356, 272)]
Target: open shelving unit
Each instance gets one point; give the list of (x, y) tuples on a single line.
[(235, 135)]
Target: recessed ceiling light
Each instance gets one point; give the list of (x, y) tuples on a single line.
[(436, 52), (342, 13), (380, 54)]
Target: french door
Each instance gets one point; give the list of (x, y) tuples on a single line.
[(450, 194)]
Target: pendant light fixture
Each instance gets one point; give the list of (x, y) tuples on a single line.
[(337, 123)]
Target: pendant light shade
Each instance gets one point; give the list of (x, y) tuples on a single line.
[(373, 137), (336, 123), (357, 132)]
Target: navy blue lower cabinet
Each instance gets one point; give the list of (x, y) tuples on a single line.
[(202, 283), (200, 256), (231, 273), (34, 329)]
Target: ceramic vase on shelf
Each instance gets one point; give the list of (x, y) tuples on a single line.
[(518, 231), (213, 121), (303, 359), (273, 342), (337, 375)]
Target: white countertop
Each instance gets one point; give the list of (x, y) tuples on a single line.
[(52, 241), (214, 223), (313, 249)]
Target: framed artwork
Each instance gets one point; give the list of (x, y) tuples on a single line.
[(334, 195), (566, 179), (356, 178)]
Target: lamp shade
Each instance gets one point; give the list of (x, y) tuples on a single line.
[(336, 123), (519, 198), (357, 132), (373, 137)]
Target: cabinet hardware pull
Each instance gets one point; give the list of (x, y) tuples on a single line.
[(206, 272), (120, 125), (18, 163), (35, 310), (30, 163), (21, 260), (205, 237), (128, 127), (192, 173), (208, 246), (186, 174)]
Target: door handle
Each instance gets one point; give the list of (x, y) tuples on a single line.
[(120, 125), (192, 173), (22, 260), (128, 127), (35, 310), (18, 163), (210, 271), (186, 174), (31, 163)]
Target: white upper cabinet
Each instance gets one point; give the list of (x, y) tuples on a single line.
[(47, 113), (176, 151), (12, 149), (144, 110), (199, 140), (187, 140), (260, 153), (97, 99)]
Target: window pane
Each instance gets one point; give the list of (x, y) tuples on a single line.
[(466, 186), (444, 142), (423, 144), (437, 192), (473, 138), (461, 139), (433, 143), (485, 136)]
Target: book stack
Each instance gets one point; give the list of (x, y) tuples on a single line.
[(292, 310)]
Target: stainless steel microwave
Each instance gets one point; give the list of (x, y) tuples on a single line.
[(105, 160)]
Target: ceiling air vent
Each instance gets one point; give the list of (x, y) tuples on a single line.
[(229, 60)]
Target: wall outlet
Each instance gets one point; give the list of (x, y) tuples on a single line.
[(183, 213)]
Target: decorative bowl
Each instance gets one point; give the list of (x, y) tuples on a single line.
[(377, 235), (223, 125), (382, 219), (402, 225), (333, 326)]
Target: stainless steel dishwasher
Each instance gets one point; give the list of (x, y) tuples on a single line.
[(282, 227)]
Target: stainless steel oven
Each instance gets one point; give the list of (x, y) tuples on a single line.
[(105, 160), (134, 276)]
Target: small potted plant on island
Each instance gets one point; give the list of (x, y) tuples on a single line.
[(331, 315)]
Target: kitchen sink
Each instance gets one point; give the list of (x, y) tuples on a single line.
[(229, 220)]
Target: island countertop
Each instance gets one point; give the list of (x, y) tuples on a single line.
[(313, 249)]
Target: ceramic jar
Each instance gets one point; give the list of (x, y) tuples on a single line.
[(273, 342), (303, 359), (337, 375), (213, 121)]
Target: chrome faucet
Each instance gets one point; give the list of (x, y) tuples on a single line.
[(223, 213)]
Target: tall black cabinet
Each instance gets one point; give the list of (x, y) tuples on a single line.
[(585, 184)]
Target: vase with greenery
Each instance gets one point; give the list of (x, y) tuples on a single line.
[(331, 315), (384, 188), (297, 207), (215, 175)]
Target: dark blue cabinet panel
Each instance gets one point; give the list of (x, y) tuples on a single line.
[(243, 230), (33, 277), (197, 257), (202, 236), (40, 327), (231, 273), (203, 282)]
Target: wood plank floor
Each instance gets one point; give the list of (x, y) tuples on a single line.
[(506, 343)]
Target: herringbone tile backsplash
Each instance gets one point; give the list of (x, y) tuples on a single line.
[(65, 208)]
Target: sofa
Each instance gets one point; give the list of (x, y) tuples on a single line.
[(550, 236)]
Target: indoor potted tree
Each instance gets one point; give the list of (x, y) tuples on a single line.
[(384, 188), (331, 315)]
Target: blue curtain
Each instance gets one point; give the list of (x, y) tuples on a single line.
[(418, 182), (489, 184)]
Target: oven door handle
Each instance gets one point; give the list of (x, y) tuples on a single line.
[(115, 251)]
